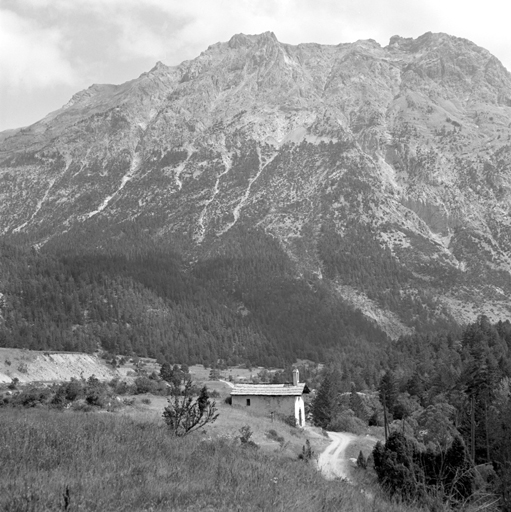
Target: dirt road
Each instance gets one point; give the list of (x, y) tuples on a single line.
[(333, 462)]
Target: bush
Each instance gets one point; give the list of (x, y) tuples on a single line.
[(23, 368), (96, 392), (144, 385), (73, 390), (32, 397), (307, 453), (146, 401), (361, 461), (288, 420), (245, 437), (274, 436), (347, 422), (12, 385), (82, 406), (121, 387), (184, 414)]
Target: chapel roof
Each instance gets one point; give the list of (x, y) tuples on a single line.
[(269, 389)]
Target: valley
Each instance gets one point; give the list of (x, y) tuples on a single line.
[(343, 210)]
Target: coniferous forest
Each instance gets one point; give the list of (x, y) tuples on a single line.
[(242, 305), (443, 395)]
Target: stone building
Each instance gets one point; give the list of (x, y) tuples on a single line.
[(272, 399)]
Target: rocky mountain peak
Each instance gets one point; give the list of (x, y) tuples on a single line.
[(244, 41), (402, 152)]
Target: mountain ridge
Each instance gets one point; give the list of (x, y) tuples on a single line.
[(330, 150)]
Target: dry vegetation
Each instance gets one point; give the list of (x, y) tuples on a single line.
[(127, 460), (104, 462)]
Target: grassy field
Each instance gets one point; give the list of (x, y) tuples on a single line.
[(270, 436), (115, 462)]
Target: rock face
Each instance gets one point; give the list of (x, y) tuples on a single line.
[(29, 366), (383, 172)]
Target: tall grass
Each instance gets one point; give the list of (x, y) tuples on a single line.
[(101, 462)]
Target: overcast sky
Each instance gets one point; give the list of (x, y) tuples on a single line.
[(50, 49)]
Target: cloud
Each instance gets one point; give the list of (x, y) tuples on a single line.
[(31, 55), (75, 43)]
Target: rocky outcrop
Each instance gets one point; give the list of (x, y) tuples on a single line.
[(30, 366)]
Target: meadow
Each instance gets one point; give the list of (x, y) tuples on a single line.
[(77, 461)]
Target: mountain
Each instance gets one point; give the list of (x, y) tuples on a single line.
[(352, 177)]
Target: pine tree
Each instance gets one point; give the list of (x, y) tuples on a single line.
[(325, 406)]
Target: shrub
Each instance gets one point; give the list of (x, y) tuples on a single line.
[(143, 385), (347, 422), (288, 420), (82, 406), (274, 436), (245, 437), (361, 461), (307, 453), (73, 390), (96, 392), (121, 387), (376, 419), (184, 414), (146, 401), (32, 397)]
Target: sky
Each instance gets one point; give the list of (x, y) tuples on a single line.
[(51, 49)]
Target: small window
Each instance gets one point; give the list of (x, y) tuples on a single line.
[(248, 402)]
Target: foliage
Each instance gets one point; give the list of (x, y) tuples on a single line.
[(289, 419), (274, 436), (77, 302), (405, 469), (83, 395), (246, 434), (185, 413), (307, 453), (361, 460), (325, 404), (346, 421)]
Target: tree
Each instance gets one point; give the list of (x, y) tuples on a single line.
[(325, 406), (166, 372), (387, 391), (357, 405), (185, 414)]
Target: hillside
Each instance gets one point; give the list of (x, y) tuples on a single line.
[(29, 366), (289, 186)]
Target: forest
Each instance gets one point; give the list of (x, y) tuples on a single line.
[(242, 305), (442, 393), (445, 404)]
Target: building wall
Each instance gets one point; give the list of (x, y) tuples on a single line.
[(284, 405)]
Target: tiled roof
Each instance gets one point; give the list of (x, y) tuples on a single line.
[(268, 389)]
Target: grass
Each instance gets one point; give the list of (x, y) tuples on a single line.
[(106, 462)]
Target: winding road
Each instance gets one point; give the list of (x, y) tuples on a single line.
[(333, 462)]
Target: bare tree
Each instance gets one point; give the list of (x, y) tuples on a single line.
[(186, 413)]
